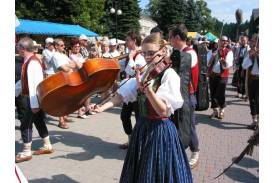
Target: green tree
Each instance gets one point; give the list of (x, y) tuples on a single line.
[(86, 13), (207, 22), (167, 12), (152, 9), (193, 19), (128, 20), (29, 9), (217, 27)]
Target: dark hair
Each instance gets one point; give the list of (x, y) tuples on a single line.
[(180, 30), (74, 42), (134, 36), (155, 30)]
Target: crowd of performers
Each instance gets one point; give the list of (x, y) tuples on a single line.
[(164, 104)]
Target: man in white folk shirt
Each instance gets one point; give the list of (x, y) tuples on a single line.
[(32, 74), (219, 65)]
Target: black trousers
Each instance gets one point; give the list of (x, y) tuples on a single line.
[(253, 92), (217, 91), (27, 118), (241, 80), (194, 143), (125, 116)]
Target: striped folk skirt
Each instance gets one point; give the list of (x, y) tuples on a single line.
[(155, 155)]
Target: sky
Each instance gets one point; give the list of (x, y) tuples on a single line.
[(225, 9)]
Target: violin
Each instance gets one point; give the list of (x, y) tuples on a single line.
[(154, 70)]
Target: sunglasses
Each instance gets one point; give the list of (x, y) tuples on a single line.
[(61, 45), (149, 53)]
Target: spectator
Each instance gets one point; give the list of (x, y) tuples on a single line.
[(47, 56), (83, 41), (64, 64)]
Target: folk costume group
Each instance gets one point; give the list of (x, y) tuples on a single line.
[(164, 105)]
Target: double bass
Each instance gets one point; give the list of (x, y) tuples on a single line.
[(63, 93)]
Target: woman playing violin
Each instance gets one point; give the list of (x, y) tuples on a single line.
[(155, 152), (133, 42)]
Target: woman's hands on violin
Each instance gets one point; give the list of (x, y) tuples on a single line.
[(158, 104)]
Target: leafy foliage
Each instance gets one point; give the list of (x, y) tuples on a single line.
[(193, 20), (128, 20), (86, 13), (167, 12), (95, 15), (207, 22)]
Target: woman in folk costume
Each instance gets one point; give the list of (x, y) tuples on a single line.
[(155, 152)]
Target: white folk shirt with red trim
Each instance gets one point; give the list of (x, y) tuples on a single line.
[(228, 60), (139, 60), (35, 76)]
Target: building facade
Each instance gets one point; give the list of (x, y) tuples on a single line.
[(146, 24)]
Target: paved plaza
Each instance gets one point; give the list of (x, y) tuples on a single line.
[(88, 151)]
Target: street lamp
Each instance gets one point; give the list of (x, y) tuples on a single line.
[(117, 12), (204, 18)]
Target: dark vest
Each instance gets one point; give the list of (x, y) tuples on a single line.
[(145, 107), (181, 63)]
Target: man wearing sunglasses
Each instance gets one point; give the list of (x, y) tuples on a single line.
[(219, 65), (62, 63), (47, 56)]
